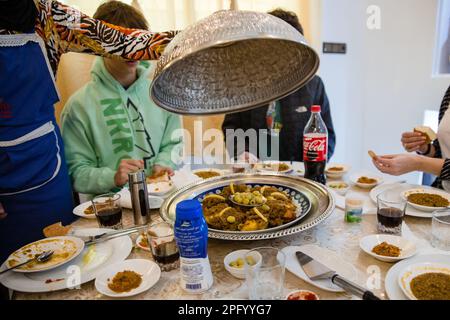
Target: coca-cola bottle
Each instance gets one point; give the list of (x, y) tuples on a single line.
[(315, 147)]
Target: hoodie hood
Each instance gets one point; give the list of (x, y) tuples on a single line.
[(100, 74)]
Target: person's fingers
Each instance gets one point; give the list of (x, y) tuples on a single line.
[(136, 163), (130, 167), (412, 135)]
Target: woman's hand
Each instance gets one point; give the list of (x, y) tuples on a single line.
[(414, 141), (157, 170), (398, 165), (127, 166)]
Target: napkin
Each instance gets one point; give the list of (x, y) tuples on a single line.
[(184, 177)]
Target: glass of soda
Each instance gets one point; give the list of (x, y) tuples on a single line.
[(108, 210), (163, 246), (391, 209)]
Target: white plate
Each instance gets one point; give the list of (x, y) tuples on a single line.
[(355, 177), (260, 166), (410, 272), (79, 210), (336, 174), (398, 189), (160, 188), (408, 248), (405, 194), (329, 258), (84, 268), (125, 200), (138, 243), (149, 271), (70, 246), (217, 171), (393, 290)]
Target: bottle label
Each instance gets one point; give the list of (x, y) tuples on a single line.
[(315, 148), (196, 275)]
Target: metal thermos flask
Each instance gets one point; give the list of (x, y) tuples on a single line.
[(139, 197)]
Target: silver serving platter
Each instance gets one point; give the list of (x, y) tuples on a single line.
[(322, 202), (232, 61)]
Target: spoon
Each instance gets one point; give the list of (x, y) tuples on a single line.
[(43, 257), (248, 205)]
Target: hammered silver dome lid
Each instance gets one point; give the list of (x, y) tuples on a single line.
[(232, 61)]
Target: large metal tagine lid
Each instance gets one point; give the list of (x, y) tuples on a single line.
[(232, 61)]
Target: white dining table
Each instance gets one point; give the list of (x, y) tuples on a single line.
[(334, 234)]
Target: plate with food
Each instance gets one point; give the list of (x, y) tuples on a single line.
[(426, 281), (160, 188), (128, 278), (64, 250), (336, 171), (207, 173), (253, 207), (90, 263), (427, 200), (391, 282), (366, 181), (85, 210), (388, 248), (298, 204), (273, 166)]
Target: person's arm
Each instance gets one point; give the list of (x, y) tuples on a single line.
[(81, 159), (321, 99), (172, 143), (67, 29), (400, 164)]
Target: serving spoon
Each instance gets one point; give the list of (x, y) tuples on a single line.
[(256, 205), (43, 257)]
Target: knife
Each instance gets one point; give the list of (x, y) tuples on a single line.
[(317, 271), (112, 235)]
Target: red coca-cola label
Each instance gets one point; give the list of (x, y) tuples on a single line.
[(315, 148)]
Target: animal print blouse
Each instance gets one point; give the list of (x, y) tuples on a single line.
[(65, 29)]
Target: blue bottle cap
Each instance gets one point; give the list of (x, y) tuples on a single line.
[(189, 209)]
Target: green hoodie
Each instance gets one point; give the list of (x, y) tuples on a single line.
[(103, 123)]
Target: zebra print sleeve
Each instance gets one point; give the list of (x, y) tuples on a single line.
[(67, 29), (445, 173)]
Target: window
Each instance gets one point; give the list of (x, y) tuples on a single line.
[(442, 49)]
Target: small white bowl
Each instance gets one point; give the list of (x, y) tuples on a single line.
[(354, 179), (339, 191), (336, 174), (302, 293), (408, 248), (149, 271), (233, 256)]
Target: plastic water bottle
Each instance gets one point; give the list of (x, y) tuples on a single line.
[(191, 235)]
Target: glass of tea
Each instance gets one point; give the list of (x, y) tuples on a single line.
[(390, 212), (108, 210), (163, 246)]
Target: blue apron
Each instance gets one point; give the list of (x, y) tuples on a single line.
[(35, 188)]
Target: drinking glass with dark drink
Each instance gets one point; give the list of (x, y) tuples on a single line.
[(164, 248), (390, 212), (108, 210)]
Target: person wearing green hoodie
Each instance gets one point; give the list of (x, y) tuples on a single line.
[(111, 127)]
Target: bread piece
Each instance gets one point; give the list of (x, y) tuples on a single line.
[(56, 230), (372, 154), (161, 177), (426, 132)]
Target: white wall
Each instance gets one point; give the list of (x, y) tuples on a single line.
[(383, 85)]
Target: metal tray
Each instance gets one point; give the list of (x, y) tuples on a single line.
[(321, 199)]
